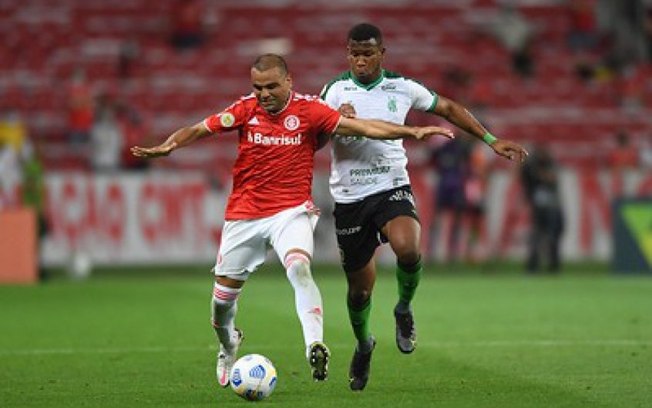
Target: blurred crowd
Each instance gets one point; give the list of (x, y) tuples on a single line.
[(608, 42)]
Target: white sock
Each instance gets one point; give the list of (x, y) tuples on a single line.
[(224, 308), (306, 296)]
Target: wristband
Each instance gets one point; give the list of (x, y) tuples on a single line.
[(489, 138)]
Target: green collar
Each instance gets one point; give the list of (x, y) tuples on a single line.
[(370, 86)]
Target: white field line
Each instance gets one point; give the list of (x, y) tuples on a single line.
[(432, 344)]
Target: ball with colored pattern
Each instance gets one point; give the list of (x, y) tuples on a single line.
[(253, 377)]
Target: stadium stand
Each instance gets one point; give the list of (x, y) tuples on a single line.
[(44, 43)]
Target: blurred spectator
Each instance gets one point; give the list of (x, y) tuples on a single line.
[(12, 129), (475, 186), (583, 35), (450, 161), (12, 138), (80, 108), (127, 57), (187, 24), (10, 175), (624, 155), (540, 184), (621, 158), (632, 84), (516, 34), (106, 137), (135, 132), (646, 152), (33, 193), (455, 82)]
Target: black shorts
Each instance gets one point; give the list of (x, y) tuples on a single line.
[(358, 224)]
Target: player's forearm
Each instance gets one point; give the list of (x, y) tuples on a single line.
[(463, 119), (379, 129), (184, 137)]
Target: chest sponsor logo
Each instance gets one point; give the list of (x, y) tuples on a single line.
[(369, 172), (227, 119), (291, 122), (282, 140), (366, 177), (388, 87), (350, 88)]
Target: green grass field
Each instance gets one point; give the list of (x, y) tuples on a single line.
[(485, 340)]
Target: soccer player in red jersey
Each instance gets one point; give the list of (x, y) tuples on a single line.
[(270, 203)]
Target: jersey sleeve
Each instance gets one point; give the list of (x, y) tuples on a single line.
[(230, 118), (423, 99), (324, 118), (329, 96)]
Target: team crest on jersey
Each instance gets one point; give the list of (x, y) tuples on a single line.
[(227, 119), (391, 104), (291, 122)]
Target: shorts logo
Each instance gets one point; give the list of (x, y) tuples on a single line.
[(227, 119), (291, 122), (348, 231), (401, 195)]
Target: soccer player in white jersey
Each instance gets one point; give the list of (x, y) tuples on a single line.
[(370, 184), (270, 203)]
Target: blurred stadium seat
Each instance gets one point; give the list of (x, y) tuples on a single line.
[(43, 44)]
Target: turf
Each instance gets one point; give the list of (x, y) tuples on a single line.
[(499, 340)]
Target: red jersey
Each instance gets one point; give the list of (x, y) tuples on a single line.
[(273, 170)]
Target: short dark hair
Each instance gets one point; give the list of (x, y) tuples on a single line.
[(365, 32), (269, 61)]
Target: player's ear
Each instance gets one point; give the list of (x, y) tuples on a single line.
[(288, 79)]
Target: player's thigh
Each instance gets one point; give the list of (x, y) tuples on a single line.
[(243, 248), (403, 233), (398, 221), (293, 233), (357, 236)]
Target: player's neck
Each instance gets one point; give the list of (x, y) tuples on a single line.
[(369, 79), (285, 104)]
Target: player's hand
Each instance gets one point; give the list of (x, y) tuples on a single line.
[(156, 151), (347, 110), (510, 150), (424, 133)]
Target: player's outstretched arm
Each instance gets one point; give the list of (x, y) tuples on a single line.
[(462, 118), (180, 138), (379, 129), (509, 150)]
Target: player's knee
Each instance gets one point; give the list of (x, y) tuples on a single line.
[(297, 267), (408, 255), (359, 298), (406, 250)]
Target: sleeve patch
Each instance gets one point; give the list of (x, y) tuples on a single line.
[(227, 119)]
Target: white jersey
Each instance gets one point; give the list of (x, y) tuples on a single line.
[(360, 166)]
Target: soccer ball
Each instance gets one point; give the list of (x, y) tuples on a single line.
[(253, 377)]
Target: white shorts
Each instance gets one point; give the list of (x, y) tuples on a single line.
[(245, 242)]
